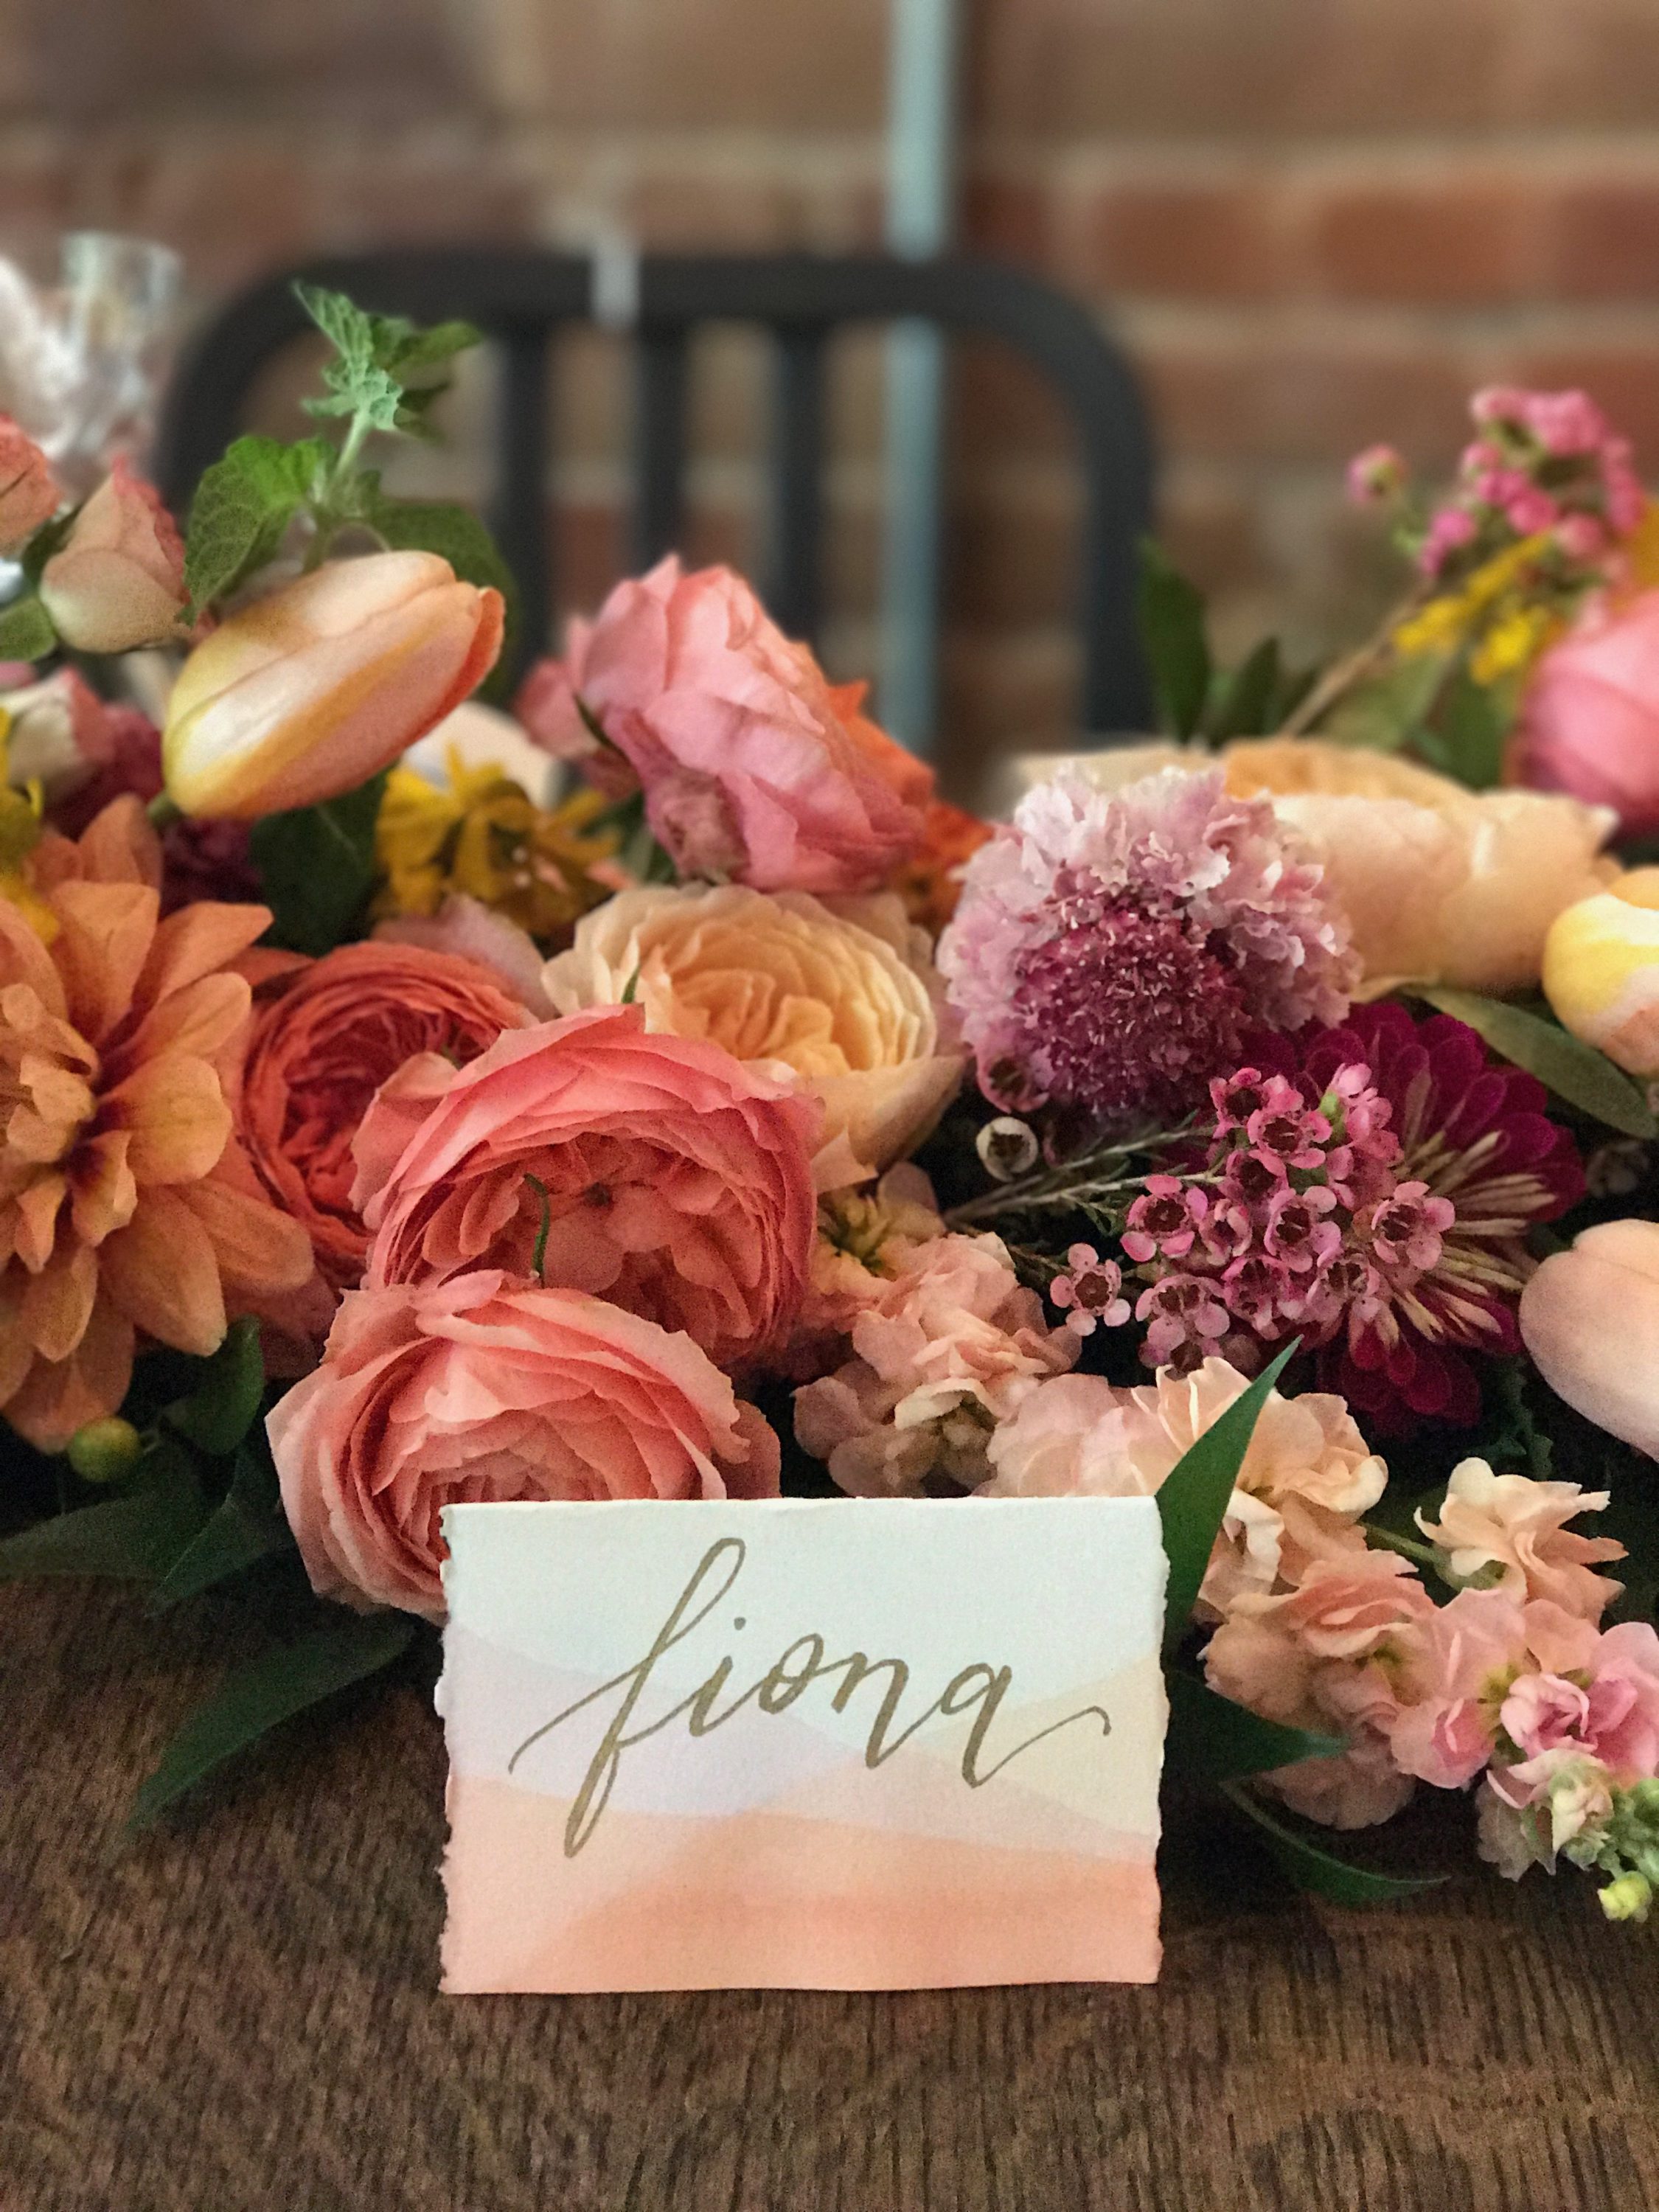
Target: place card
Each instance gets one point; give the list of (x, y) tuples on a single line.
[(802, 1743)]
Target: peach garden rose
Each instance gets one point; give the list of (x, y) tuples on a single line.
[(118, 579), (483, 1387), (847, 999), (656, 1171)]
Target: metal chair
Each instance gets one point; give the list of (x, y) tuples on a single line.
[(520, 297)]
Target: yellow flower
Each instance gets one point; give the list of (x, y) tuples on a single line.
[(20, 833), (482, 835), (1601, 971), (1444, 622), (1513, 642)]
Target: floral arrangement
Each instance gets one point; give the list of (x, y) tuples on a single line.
[(662, 1093)]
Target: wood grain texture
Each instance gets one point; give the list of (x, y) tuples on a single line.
[(239, 2015)]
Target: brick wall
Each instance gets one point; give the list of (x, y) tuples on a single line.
[(1313, 222)]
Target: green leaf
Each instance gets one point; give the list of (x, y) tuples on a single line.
[(1244, 703), (1214, 1740), (455, 533), (48, 539), (1563, 1064), (1389, 711), (1194, 1497), (1469, 734), (26, 631), (1171, 612), (219, 1413), (317, 868), (243, 505), (247, 1525), (254, 1699), (132, 1538), (1310, 1867), (386, 371)]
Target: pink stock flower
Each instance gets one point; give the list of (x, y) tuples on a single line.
[(656, 1171), (949, 1348), (1560, 1801), (1111, 949), (486, 1389), (1449, 532), (118, 579), (754, 766), (1514, 1528)]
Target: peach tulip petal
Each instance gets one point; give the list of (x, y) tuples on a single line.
[(1589, 1320)]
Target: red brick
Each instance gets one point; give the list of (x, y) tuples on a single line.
[(1203, 240), (1605, 241), (1010, 218), (1464, 242), (1010, 560), (1000, 402)]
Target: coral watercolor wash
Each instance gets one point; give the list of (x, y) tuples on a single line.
[(789, 1745)]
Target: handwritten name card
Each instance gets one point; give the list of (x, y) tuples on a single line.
[(802, 1743)]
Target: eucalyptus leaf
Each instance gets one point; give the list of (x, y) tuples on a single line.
[(317, 868), (247, 1525), (26, 631), (1170, 613), (260, 1695), (1193, 1498), (1563, 1063), (1311, 1866), (135, 1538), (219, 1413), (1213, 1740)]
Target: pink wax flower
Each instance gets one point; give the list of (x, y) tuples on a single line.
[(755, 767), (481, 1388), (1589, 716), (1110, 949), (657, 1171), (1450, 531), (1091, 1292)]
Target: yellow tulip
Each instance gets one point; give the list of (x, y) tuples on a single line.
[(1602, 970), (310, 691)]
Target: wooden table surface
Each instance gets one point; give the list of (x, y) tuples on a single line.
[(239, 2014)]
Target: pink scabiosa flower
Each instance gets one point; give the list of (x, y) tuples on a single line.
[(1110, 950), (1091, 1292)]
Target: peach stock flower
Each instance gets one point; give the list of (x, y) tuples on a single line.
[(118, 579), (654, 1170), (340, 1026), (946, 1350), (1517, 1527), (846, 998), (28, 495), (127, 1208), (754, 766), (1589, 1320), (484, 1388), (1305, 1479), (308, 692)]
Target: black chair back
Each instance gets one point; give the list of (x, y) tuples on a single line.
[(520, 297)]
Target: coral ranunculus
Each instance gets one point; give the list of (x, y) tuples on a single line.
[(1589, 719), (754, 766), (845, 999), (484, 1388), (127, 1208), (657, 1171), (310, 691), (318, 1054)]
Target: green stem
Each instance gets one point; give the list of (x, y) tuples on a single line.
[(1385, 1539), (164, 811)]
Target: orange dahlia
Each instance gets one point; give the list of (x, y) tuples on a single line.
[(128, 1211)]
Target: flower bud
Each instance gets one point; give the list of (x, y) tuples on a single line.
[(1602, 970), (1629, 1897), (118, 579), (1007, 1147), (310, 691), (104, 1450), (1589, 1319), (28, 495)]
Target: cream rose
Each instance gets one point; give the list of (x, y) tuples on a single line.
[(1440, 884), (844, 997)]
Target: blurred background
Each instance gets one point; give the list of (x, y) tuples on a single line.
[(1311, 223)]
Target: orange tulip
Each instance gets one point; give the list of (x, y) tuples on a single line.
[(1590, 1318), (307, 693)]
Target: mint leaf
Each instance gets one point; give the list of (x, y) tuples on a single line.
[(1170, 613), (317, 868), (387, 371), (219, 1413), (242, 507), (247, 1525), (1562, 1062), (257, 1697), (1193, 1498), (26, 631)]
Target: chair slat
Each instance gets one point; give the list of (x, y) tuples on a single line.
[(795, 550), (660, 392), (519, 504)]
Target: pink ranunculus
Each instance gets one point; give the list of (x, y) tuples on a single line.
[(28, 495), (1589, 719), (755, 767), (482, 1389), (657, 1171), (118, 579), (546, 704)]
